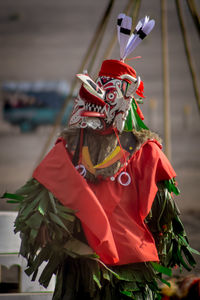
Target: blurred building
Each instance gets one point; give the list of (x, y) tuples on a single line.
[(45, 41)]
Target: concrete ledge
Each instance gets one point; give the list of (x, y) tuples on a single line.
[(27, 296)]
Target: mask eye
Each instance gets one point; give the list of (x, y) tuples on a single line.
[(111, 95)]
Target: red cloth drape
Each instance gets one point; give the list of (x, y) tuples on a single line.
[(112, 215)]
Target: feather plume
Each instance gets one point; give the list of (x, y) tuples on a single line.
[(119, 22), (124, 34), (129, 43)]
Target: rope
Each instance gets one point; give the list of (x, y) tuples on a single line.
[(188, 53), (74, 82), (194, 13), (101, 35), (117, 136), (135, 12)]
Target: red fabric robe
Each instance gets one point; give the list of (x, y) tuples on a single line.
[(112, 215)]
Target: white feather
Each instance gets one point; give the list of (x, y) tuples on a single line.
[(124, 34), (148, 27), (119, 22), (142, 29)]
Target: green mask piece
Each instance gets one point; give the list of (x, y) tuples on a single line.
[(133, 120)]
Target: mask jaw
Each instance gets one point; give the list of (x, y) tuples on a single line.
[(89, 110), (106, 102), (119, 107), (122, 113), (119, 122)]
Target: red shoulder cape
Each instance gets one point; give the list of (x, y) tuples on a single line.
[(112, 215)]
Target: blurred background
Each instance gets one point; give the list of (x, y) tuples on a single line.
[(42, 46)]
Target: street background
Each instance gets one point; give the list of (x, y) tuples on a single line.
[(47, 40)]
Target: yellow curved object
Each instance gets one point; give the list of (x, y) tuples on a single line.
[(109, 158)]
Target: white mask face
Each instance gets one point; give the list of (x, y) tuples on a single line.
[(93, 112)]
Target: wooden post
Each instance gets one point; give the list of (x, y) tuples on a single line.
[(188, 52), (167, 121)]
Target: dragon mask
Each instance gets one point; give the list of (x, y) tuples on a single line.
[(106, 103)]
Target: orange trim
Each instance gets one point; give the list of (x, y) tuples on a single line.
[(86, 160), (118, 156)]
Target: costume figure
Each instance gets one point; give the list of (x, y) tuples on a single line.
[(99, 208)]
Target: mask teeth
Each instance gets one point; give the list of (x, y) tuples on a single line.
[(93, 107)]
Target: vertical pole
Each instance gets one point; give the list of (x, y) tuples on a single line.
[(167, 127), (194, 13), (188, 51)]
